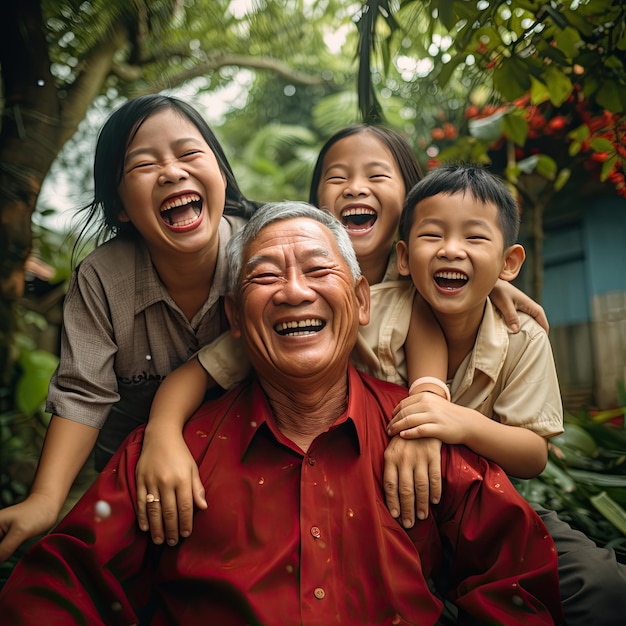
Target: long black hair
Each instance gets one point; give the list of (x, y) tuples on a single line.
[(102, 213)]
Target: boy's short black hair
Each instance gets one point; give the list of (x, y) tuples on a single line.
[(465, 178)]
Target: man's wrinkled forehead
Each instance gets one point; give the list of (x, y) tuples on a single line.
[(303, 239)]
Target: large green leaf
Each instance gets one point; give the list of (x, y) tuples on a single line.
[(515, 127), (32, 387), (559, 85), (512, 78)]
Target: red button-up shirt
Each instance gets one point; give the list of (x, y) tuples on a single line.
[(292, 538)]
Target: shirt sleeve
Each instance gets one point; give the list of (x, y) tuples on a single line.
[(84, 386), (89, 570), (225, 360), (530, 395), (503, 561)]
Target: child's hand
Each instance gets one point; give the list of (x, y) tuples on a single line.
[(25, 520), (168, 472), (428, 415), (412, 472), (509, 299)]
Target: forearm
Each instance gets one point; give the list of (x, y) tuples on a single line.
[(518, 451), (177, 399), (425, 348), (66, 448)]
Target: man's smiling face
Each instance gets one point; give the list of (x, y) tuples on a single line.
[(298, 307)]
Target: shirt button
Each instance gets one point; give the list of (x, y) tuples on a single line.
[(319, 593), (311, 461), (316, 532)]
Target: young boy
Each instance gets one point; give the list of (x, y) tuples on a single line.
[(458, 236)]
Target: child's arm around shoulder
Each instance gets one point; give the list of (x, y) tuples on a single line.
[(166, 468), (519, 451), (522, 409), (413, 472)]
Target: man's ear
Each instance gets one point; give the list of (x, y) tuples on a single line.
[(402, 252), (232, 313), (513, 259), (122, 216), (362, 290)]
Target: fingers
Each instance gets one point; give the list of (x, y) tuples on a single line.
[(408, 489), (511, 319), (421, 482), (434, 478), (390, 484), (9, 545), (178, 514), (541, 318), (140, 509), (153, 504), (199, 496), (169, 515)]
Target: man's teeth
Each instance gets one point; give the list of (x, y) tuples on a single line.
[(303, 327)]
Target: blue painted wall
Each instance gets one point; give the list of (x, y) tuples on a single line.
[(605, 240), (584, 257)]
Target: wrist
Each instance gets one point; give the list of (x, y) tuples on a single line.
[(161, 429), (430, 384)]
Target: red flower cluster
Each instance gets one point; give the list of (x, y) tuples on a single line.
[(598, 136), (605, 142)]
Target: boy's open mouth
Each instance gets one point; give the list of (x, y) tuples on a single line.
[(360, 218), (182, 211), (451, 280)]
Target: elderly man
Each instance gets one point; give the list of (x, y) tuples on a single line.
[(296, 531)]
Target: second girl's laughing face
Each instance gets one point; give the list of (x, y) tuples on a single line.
[(363, 187), (172, 188)]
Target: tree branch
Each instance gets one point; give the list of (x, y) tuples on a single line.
[(126, 72)]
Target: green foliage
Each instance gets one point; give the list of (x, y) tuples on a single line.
[(37, 367), (23, 420), (585, 479)]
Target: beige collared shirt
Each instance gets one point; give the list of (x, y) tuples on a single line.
[(509, 377)]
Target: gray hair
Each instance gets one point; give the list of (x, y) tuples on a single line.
[(277, 212)]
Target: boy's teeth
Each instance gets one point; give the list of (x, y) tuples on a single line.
[(451, 275)]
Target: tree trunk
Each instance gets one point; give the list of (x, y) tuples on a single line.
[(537, 193), (37, 122), (27, 148), (538, 236)]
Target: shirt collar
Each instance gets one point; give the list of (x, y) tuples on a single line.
[(262, 419), (149, 288), (391, 271), (490, 349)]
